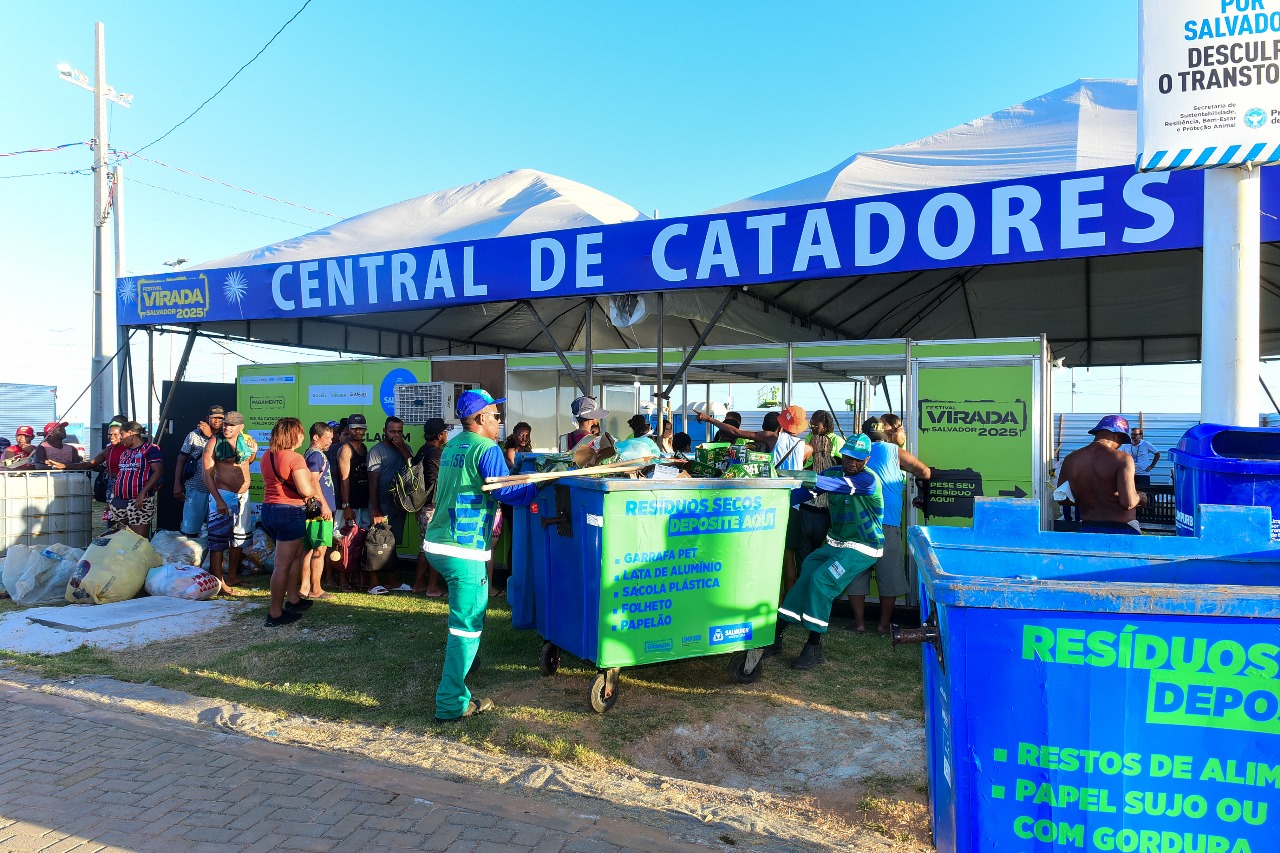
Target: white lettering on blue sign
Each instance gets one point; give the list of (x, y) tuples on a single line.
[(658, 255), (1005, 220), (717, 251), (588, 259), (928, 227), (538, 249), (341, 284), (438, 277), (1099, 212), (403, 266), (865, 216), (816, 241), (765, 225)]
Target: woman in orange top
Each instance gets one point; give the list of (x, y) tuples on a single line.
[(286, 484)]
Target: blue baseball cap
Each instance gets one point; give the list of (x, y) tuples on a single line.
[(474, 401), (1114, 423), (858, 448)]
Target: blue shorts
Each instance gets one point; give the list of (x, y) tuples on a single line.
[(195, 509), (284, 523)]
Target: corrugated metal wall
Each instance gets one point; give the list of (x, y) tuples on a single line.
[(1071, 431), (26, 405)]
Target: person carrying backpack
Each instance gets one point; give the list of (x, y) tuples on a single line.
[(386, 460), (415, 489)]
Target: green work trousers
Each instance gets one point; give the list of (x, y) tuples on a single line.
[(824, 577), (468, 598)]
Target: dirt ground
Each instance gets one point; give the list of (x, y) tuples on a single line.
[(763, 773)]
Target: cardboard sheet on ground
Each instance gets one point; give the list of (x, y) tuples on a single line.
[(120, 614)]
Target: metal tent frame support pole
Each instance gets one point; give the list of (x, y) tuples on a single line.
[(564, 359), (586, 323), (791, 378), (684, 404), (702, 338), (658, 396), (177, 379)]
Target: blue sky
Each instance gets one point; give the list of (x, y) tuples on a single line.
[(676, 107)]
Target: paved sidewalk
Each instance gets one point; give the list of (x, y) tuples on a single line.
[(79, 777)]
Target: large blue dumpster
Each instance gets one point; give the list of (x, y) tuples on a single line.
[(1094, 692), (1216, 464)]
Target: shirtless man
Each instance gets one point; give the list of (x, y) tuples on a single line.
[(226, 476), (1101, 480)]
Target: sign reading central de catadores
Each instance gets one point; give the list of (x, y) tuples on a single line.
[(1209, 87)]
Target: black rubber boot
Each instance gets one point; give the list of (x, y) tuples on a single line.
[(776, 648), (810, 656)]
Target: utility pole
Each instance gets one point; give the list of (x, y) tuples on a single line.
[(126, 358), (100, 396)]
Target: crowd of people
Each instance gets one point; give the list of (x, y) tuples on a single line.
[(320, 483)]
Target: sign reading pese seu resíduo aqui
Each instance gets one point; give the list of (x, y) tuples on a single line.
[(1089, 213), (1209, 87)]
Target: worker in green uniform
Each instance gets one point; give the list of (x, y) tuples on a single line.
[(458, 541), (854, 542)]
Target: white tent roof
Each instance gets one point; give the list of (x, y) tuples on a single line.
[(523, 201), (1089, 124), (1117, 309)]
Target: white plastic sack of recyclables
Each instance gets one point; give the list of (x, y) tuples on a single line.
[(178, 581), (40, 578), (174, 548)]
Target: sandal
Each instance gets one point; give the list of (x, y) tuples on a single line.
[(379, 590), (404, 587)]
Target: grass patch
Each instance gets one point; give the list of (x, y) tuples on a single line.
[(377, 660)]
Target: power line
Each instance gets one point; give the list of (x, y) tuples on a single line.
[(42, 150), (133, 181), (42, 174), (127, 155), (233, 352), (228, 83)]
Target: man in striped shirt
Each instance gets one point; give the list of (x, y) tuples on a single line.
[(141, 470)]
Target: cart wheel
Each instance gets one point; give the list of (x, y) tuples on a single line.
[(745, 667), (604, 691), (549, 658)]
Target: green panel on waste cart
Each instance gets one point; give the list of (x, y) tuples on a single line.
[(689, 573)]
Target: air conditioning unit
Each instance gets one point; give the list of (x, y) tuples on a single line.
[(418, 402)]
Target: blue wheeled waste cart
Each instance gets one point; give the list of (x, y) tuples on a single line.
[(1095, 692), (625, 572), (524, 565), (1216, 464)]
